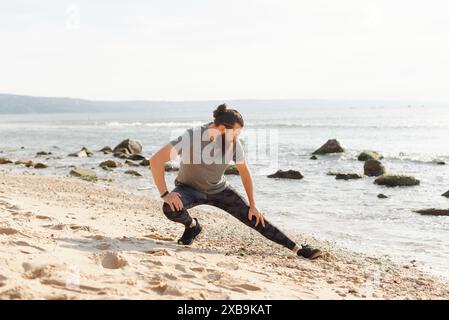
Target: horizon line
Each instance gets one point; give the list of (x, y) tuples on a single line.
[(224, 100)]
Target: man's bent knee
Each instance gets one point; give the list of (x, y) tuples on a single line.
[(169, 213)]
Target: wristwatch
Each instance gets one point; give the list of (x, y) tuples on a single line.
[(164, 194)]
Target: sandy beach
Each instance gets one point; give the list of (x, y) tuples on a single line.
[(65, 238)]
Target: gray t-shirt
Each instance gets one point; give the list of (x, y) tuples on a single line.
[(203, 162)]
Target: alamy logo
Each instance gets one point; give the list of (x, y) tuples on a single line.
[(256, 146)]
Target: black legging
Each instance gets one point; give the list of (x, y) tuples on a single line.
[(228, 200)]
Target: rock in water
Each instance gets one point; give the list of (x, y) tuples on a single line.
[(170, 167), (369, 155), (331, 146), (126, 148), (373, 168), (446, 194), (433, 212), (131, 163), (232, 169), (289, 174), (381, 196), (84, 174), (347, 176), (28, 163), (84, 152), (313, 158), (5, 161), (110, 164), (133, 173), (145, 163), (43, 153), (136, 157), (106, 150), (396, 180), (40, 166)]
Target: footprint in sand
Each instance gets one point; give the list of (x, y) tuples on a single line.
[(61, 226), (2, 278), (170, 276), (40, 217), (152, 262), (198, 269), (214, 276), (103, 246), (26, 244), (228, 265), (77, 227), (63, 284), (158, 252), (36, 271), (164, 289), (180, 267), (112, 260), (96, 237), (188, 276), (246, 286), (158, 237), (8, 231)]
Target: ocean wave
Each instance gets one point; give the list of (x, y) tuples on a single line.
[(270, 124), (150, 124)]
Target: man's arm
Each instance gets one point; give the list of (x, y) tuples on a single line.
[(247, 181), (157, 166)]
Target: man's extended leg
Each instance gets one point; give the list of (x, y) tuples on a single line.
[(232, 202)]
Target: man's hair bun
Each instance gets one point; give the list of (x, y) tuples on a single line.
[(220, 110)]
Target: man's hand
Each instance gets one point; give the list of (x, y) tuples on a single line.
[(254, 212), (174, 201)]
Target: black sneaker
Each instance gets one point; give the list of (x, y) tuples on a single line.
[(190, 234), (309, 252)]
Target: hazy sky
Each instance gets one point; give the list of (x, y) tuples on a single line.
[(207, 49)]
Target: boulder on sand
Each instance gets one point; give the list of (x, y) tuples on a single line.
[(331, 146), (373, 168), (433, 212), (40, 166), (347, 176), (84, 152), (84, 174), (127, 148), (396, 180), (369, 155), (288, 174)]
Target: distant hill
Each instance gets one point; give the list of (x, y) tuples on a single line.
[(19, 104)]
